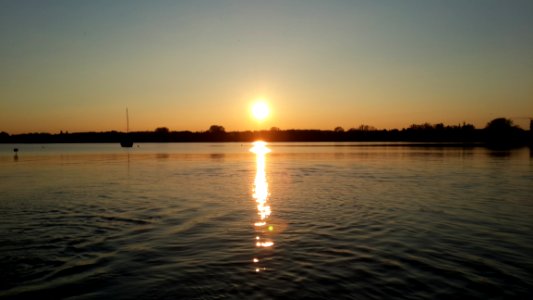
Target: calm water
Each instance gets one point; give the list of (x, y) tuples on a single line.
[(212, 221)]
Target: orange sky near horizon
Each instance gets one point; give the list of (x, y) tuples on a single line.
[(76, 65)]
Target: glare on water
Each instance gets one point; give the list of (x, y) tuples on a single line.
[(260, 195)]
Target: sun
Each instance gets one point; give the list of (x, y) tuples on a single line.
[(260, 110)]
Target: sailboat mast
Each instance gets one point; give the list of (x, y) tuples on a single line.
[(126, 140), (127, 121)]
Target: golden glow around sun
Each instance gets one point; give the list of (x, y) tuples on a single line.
[(260, 110)]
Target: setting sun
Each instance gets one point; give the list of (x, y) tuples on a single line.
[(260, 110)]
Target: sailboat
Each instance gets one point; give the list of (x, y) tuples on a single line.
[(126, 141)]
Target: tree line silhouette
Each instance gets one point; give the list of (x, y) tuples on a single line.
[(498, 132)]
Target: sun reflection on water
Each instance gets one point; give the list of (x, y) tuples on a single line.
[(260, 195)]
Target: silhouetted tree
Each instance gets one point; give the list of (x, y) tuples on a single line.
[(500, 124), (275, 129), (216, 133), (216, 129), (161, 130), (338, 129), (502, 131), (4, 136)]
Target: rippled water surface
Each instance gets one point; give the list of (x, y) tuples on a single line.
[(212, 221)]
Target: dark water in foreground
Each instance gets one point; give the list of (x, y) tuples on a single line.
[(178, 221)]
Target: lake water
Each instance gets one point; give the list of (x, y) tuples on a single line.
[(303, 221)]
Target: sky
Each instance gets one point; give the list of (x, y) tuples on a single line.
[(186, 65)]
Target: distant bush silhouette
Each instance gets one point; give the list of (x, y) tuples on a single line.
[(364, 127), (502, 131)]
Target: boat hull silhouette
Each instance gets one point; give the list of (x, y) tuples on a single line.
[(126, 143)]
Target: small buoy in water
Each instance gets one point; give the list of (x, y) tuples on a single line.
[(16, 150)]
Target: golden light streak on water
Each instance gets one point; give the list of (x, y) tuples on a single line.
[(265, 244), (260, 184), (260, 195)]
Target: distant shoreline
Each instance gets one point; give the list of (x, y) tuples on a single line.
[(499, 132), (395, 138), (300, 143)]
